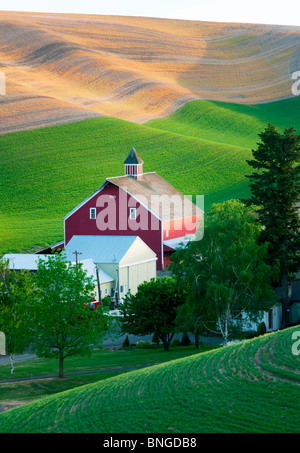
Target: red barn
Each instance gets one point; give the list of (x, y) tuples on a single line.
[(136, 204)]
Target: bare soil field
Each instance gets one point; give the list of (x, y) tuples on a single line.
[(64, 68)]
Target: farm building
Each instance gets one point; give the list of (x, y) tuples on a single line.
[(27, 261), (136, 204), (126, 259)]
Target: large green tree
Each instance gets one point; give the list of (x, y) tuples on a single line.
[(275, 190), (224, 272), (16, 295), (61, 319), (152, 309)]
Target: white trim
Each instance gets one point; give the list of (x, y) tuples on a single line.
[(64, 232), (141, 203), (162, 247), (109, 180), (82, 203), (132, 211), (94, 211)]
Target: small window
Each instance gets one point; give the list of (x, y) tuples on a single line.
[(105, 291), (167, 233), (93, 213), (132, 213)]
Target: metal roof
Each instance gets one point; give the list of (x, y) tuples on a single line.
[(154, 192), (101, 249), (177, 243), (30, 261), (90, 267), (157, 195), (27, 261)]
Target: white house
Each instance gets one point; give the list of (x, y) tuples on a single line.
[(126, 259)]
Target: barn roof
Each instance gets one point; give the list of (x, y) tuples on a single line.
[(157, 195), (148, 191), (133, 158)]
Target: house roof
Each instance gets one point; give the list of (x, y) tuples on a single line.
[(133, 158), (89, 266), (28, 261), (157, 195), (177, 243), (101, 249)]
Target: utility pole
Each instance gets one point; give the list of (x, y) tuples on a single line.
[(98, 282), (77, 253)]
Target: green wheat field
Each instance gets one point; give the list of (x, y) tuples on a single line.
[(201, 149), (251, 386)]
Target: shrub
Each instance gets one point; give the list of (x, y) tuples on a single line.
[(185, 341), (261, 329), (155, 338), (143, 344), (126, 343)]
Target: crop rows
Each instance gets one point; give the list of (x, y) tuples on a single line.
[(253, 386)]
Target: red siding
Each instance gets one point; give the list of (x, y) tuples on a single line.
[(112, 218), (180, 227)]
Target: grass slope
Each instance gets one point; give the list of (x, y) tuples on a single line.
[(201, 150), (247, 387)]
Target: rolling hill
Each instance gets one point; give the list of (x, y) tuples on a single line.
[(247, 387), (201, 149), (65, 68)]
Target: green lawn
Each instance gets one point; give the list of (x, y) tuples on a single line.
[(100, 360), (251, 386), (201, 149)]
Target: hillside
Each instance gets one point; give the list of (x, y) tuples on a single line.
[(65, 68), (247, 387), (201, 150)]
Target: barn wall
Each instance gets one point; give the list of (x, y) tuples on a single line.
[(180, 227), (112, 218)]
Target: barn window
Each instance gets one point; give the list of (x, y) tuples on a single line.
[(132, 213), (93, 213)]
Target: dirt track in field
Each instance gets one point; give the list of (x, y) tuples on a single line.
[(64, 68)]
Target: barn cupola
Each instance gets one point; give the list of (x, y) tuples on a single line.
[(134, 165)]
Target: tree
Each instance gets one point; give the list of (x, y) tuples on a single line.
[(275, 190), (225, 271), (63, 323), (16, 295), (152, 309)]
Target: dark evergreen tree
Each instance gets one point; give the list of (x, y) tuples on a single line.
[(275, 190)]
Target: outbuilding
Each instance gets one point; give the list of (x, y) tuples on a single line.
[(126, 259)]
